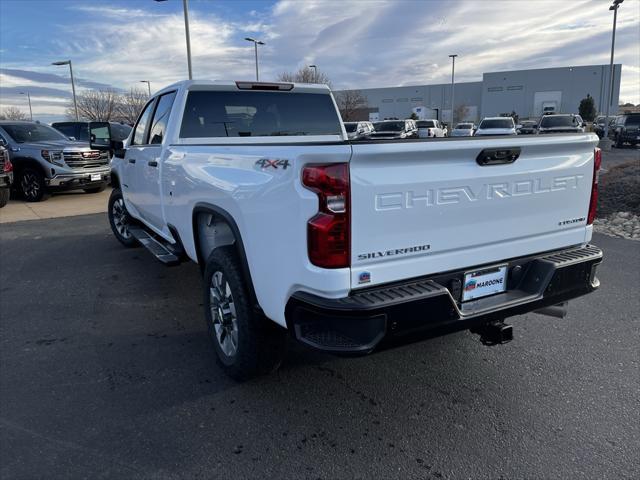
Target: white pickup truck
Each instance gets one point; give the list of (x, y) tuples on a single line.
[(350, 245)]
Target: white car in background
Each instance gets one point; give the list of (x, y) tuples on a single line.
[(463, 130), (358, 130), (496, 126), (430, 128)]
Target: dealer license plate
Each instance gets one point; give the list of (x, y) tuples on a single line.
[(96, 177), (484, 282)]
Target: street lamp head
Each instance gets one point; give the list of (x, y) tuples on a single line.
[(313, 66), (63, 62), (260, 42), (453, 56), (249, 39)]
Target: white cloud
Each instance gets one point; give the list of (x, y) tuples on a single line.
[(358, 43)]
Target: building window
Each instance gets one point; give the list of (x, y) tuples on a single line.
[(387, 100), (416, 99), (515, 87), (494, 89), (402, 100)]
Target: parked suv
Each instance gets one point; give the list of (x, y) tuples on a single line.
[(560, 123), (358, 130), (45, 159), (625, 129), (6, 175), (394, 129), (496, 126)]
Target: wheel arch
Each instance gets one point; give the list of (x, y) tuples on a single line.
[(232, 237), (20, 163)]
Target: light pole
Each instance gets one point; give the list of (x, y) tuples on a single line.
[(73, 84), (29, 98), (148, 85), (614, 7), (315, 73), (185, 7), (255, 46), (453, 71)]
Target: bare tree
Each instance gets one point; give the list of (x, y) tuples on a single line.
[(96, 105), (350, 103), (13, 113), (130, 105), (305, 75)]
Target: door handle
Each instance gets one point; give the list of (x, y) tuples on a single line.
[(152, 163), (498, 156), (132, 160)]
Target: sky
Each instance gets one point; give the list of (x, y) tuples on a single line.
[(357, 43)]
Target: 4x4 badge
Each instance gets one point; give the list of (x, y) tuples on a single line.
[(275, 163)]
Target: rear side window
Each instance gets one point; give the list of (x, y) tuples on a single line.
[(258, 114), (633, 120), (141, 126), (161, 117)]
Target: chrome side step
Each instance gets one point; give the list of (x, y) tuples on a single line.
[(161, 250)]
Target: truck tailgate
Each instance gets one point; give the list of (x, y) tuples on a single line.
[(419, 208)]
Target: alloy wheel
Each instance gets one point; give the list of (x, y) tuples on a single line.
[(121, 218), (223, 314), (30, 185)]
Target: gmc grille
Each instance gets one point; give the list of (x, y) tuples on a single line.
[(90, 159)]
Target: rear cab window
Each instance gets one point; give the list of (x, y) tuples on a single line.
[(234, 114)]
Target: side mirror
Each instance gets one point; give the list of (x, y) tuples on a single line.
[(118, 149), (100, 135), (3, 143)]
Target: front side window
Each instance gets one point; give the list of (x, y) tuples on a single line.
[(141, 126), (350, 127), (633, 120), (69, 129), (258, 114), (426, 124), (161, 117)]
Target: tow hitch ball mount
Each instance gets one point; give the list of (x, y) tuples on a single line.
[(494, 333)]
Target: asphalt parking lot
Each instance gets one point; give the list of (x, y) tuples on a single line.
[(106, 372)]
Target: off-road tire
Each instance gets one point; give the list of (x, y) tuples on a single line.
[(260, 342), (119, 219)]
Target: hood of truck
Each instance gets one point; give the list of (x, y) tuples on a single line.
[(56, 145)]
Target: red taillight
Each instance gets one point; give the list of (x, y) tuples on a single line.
[(328, 232), (593, 203), (8, 166)]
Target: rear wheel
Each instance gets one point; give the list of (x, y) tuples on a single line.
[(120, 220), (32, 185), (4, 196), (246, 343)]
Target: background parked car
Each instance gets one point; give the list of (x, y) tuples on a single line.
[(80, 131), (599, 122), (560, 123), (429, 128), (527, 127), (394, 129), (358, 130), (496, 126), (625, 129), (463, 130), (44, 159), (6, 175)]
